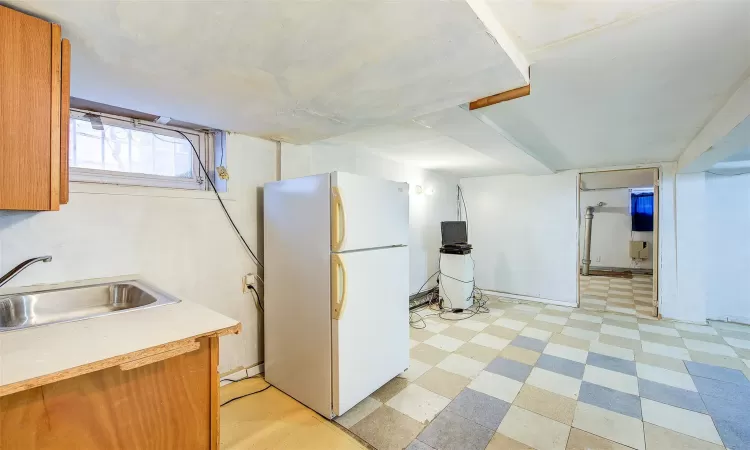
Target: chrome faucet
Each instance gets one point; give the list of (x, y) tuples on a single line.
[(19, 268)]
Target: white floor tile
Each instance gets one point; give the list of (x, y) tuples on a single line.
[(620, 317), (470, 324), (693, 328), (418, 403), (358, 412), (434, 327), (416, 369), (529, 308), (658, 330), (621, 310), (579, 333), (586, 317), (621, 332), (665, 350), (563, 351), (510, 323), (524, 426), (741, 343), (496, 385), (710, 347), (461, 365), (610, 425), (613, 380), (612, 350), (665, 376), (490, 341), (413, 343), (446, 343), (680, 420), (536, 333), (554, 382), (593, 301), (559, 308), (551, 319), (747, 362)]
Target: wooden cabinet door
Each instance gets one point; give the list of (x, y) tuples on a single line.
[(31, 83)]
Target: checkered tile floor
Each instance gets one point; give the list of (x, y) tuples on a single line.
[(549, 377), (622, 295)]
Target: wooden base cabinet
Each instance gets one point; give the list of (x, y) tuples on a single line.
[(153, 404)]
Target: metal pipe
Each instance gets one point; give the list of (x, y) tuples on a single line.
[(19, 268), (586, 261)]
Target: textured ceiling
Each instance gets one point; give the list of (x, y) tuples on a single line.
[(291, 70)]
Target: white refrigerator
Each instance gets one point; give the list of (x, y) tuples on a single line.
[(336, 319)]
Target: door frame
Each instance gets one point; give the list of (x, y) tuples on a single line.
[(656, 254)]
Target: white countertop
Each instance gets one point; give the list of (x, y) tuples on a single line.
[(40, 351)]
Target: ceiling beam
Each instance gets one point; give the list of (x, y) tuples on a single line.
[(522, 91), (710, 145), (502, 37)]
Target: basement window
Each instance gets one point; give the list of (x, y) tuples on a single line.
[(119, 150)]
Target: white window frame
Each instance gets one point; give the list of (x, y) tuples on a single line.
[(202, 140)]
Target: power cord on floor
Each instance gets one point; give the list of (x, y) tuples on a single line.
[(246, 395)]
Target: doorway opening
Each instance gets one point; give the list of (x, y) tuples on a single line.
[(618, 241)]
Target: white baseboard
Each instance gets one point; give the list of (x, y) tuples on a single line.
[(527, 298)]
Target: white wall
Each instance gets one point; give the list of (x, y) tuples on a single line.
[(425, 211), (524, 233), (611, 230), (727, 259), (183, 245)]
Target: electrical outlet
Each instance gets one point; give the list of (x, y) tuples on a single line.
[(598, 259), (249, 280)]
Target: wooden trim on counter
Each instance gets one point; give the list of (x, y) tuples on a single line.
[(160, 356), (111, 362), (65, 124), (55, 118)]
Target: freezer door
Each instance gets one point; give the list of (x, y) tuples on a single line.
[(370, 326), (368, 212)]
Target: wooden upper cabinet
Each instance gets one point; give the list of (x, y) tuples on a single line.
[(34, 113)]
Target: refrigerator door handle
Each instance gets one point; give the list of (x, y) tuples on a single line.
[(338, 298), (338, 220)]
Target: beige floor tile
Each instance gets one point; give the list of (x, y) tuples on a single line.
[(512, 324), (536, 333), (522, 355), (359, 412), (496, 385), (612, 350), (419, 334), (617, 341), (716, 360), (570, 341), (486, 318), (546, 403), (415, 370), (694, 328), (418, 403), (610, 425), (680, 420), (387, 429), (664, 362), (665, 350), (715, 338), (477, 352), (521, 316), (584, 325), (620, 331), (549, 318), (462, 365), (501, 332), (546, 326), (490, 341), (563, 351), (710, 347), (621, 324), (459, 333), (502, 442), (524, 426), (435, 325), (580, 334), (663, 438), (581, 440), (661, 339), (471, 324), (445, 343), (391, 388), (619, 317), (442, 383), (428, 354)]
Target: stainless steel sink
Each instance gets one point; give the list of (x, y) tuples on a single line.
[(33, 309)]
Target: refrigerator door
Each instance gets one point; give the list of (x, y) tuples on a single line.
[(368, 212), (370, 326)]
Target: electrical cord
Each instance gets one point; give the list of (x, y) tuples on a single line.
[(246, 395), (218, 197), (256, 296)]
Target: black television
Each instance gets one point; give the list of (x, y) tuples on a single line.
[(454, 232)]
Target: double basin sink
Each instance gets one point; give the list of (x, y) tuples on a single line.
[(32, 309)]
